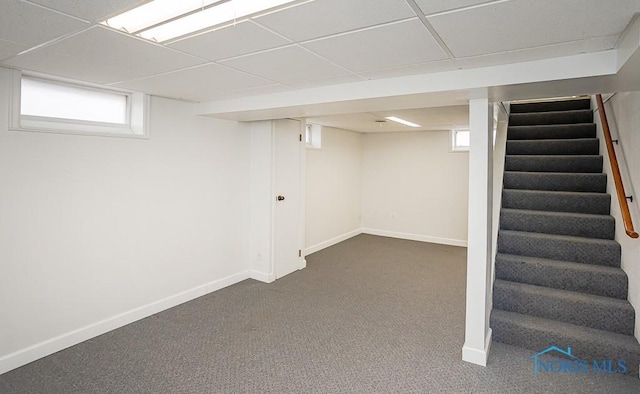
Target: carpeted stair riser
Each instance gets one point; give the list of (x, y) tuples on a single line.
[(602, 313), (558, 277), (560, 247), (586, 278), (550, 106), (586, 343), (561, 223), (540, 200), (558, 163), (546, 132), (553, 117), (582, 146), (596, 183)]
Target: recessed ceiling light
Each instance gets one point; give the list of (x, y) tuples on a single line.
[(162, 20), (402, 121)]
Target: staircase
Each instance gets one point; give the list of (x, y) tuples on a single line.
[(558, 277)]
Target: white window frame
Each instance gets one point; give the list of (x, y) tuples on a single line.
[(454, 147), (136, 125), (313, 136)]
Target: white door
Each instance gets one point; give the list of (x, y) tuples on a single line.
[(288, 197)]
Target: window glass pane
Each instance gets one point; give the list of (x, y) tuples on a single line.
[(462, 138), (307, 137), (52, 100)]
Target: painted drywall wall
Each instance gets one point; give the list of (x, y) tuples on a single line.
[(501, 125), (96, 232), (414, 187), (333, 189), (624, 122), (261, 204)]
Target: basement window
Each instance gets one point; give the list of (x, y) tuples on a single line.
[(45, 105), (459, 140), (313, 136)]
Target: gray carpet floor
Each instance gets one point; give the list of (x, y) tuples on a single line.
[(369, 315)]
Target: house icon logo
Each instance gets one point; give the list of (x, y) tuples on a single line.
[(538, 363), (562, 361)]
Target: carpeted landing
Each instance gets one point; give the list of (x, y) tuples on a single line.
[(369, 315)]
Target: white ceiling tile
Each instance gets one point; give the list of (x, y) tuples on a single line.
[(422, 68), (103, 56), (435, 6), (27, 24), (91, 10), (9, 49), (200, 83), (68, 66), (519, 24), (326, 17), (230, 41), (397, 44), (538, 53), (285, 65)]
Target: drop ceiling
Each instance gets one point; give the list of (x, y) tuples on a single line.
[(316, 43), (429, 119)]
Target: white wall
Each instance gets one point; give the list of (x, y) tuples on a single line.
[(96, 232), (624, 122), (501, 125), (333, 189), (413, 187), (261, 214)]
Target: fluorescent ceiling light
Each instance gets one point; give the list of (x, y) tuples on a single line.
[(162, 20), (153, 13), (402, 121)]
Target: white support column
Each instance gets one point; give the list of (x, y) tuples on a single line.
[(477, 330)]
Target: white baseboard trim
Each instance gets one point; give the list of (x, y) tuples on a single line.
[(50, 346), (415, 237), (262, 276), (478, 356), (332, 241)]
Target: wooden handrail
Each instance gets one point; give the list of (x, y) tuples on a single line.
[(617, 179)]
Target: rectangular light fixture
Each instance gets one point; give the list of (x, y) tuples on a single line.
[(163, 20), (402, 121), (153, 13)]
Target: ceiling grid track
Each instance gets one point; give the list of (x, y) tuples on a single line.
[(430, 28)]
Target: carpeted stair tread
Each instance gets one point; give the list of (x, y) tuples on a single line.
[(558, 280), (554, 163), (537, 334), (577, 146), (545, 200), (589, 310), (560, 247), (551, 117), (555, 181), (586, 278), (546, 132), (548, 106), (561, 223)]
